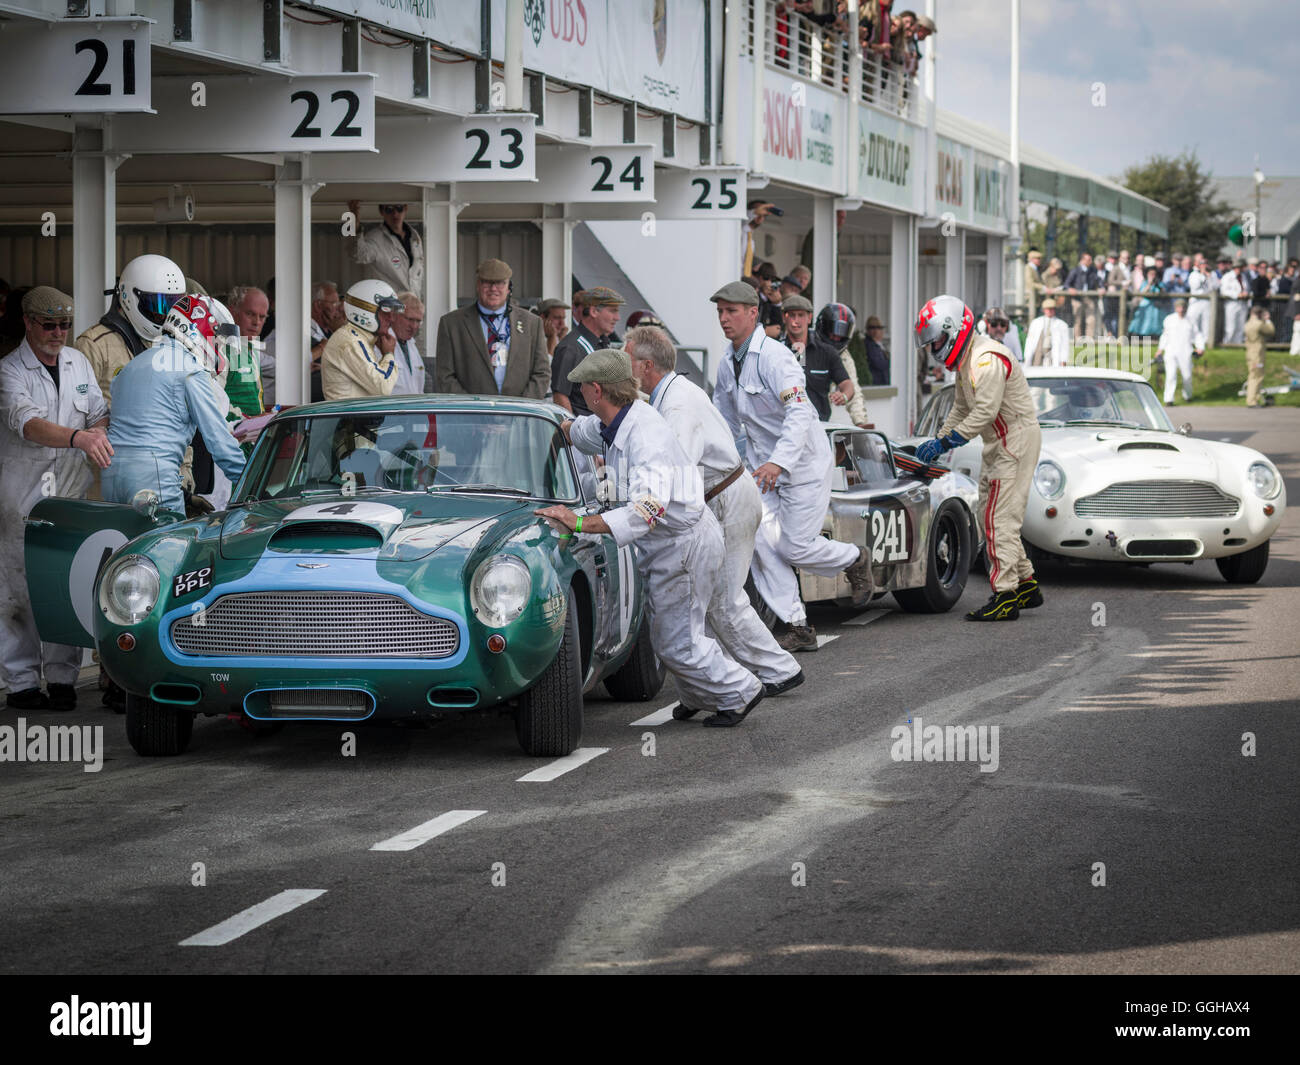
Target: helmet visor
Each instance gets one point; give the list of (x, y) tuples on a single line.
[(155, 305)]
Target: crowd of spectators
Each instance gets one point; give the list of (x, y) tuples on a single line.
[(890, 43)]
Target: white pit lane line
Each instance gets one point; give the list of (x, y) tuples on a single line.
[(412, 838), (659, 717), (253, 917), (868, 617), (560, 766), (822, 641)]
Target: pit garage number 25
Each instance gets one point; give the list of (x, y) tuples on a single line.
[(889, 535)]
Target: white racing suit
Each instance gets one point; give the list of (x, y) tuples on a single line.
[(992, 401), (706, 441), (27, 391), (770, 406), (679, 551)]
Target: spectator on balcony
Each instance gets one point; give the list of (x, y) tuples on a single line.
[(874, 26), (903, 53)]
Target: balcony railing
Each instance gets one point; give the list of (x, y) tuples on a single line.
[(820, 54)]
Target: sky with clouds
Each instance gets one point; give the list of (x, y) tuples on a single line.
[(1215, 76)]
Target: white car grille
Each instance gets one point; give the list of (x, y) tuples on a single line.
[(314, 625), (1158, 499)]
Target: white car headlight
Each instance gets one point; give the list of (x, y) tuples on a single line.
[(500, 590), (1264, 480), (1049, 479), (128, 590)]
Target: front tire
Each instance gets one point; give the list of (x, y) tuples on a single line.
[(948, 562), (642, 675), (548, 720), (1245, 568), (155, 730)]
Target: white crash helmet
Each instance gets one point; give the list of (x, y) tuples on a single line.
[(365, 299), (148, 287), (943, 330)]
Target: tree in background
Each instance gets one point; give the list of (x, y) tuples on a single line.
[(1197, 222)]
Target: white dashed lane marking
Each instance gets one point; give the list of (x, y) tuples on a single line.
[(822, 641), (253, 917), (409, 840), (659, 717), (560, 766), (868, 617)]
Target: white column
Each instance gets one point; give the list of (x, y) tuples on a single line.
[(825, 252), (293, 194), (853, 175), (514, 55), (756, 103), (995, 289), (557, 255), (732, 26), (440, 255), (94, 230), (904, 302), (954, 265)]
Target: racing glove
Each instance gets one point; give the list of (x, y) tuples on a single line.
[(932, 449)]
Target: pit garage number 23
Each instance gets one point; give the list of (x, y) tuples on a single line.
[(889, 535)]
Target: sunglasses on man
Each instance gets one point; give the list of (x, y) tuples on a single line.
[(55, 325)]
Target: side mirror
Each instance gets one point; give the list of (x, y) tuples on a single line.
[(145, 502), (1185, 429)]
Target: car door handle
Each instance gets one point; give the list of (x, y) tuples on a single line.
[(37, 521)]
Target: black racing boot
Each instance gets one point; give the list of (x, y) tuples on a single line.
[(63, 697), (27, 699), (780, 687), (1002, 607), (1028, 594), (682, 712)]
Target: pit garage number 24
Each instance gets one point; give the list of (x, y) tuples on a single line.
[(889, 535)]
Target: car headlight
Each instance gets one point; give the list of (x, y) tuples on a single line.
[(500, 590), (1049, 479), (1264, 480), (128, 591)]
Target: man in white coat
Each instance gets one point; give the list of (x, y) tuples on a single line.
[(1198, 284), (1048, 341), (52, 420), (761, 392), (677, 540), (733, 497), (1178, 340), (1233, 293)]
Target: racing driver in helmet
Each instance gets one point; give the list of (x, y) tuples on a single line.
[(992, 401)]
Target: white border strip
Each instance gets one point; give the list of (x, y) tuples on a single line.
[(253, 917), (560, 766), (412, 838)]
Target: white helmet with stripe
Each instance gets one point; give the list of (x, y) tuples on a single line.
[(366, 299)]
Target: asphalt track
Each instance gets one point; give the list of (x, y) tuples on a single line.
[(794, 843)]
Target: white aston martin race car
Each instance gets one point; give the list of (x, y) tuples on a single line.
[(1116, 482)]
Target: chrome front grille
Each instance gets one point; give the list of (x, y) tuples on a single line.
[(314, 625), (1158, 499)]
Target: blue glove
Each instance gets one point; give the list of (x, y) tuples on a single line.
[(930, 450), (952, 440)]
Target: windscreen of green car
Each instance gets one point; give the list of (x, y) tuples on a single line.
[(1097, 401), (471, 452)]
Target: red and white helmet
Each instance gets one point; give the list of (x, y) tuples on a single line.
[(202, 324), (944, 328)]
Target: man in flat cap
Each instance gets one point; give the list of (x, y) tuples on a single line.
[(52, 426), (762, 393), (828, 379), (596, 312), (677, 540), (489, 347), (555, 323)]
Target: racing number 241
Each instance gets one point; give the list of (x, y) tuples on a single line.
[(888, 535)]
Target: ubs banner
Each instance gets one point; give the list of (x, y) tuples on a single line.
[(651, 51), (801, 130), (890, 161)]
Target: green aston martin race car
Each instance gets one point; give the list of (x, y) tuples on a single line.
[(379, 559)]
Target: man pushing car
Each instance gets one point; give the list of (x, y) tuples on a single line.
[(992, 400)]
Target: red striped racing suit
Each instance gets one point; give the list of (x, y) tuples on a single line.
[(993, 402)]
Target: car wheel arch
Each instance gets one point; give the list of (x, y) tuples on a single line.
[(580, 590)]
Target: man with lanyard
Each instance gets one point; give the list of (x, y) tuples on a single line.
[(761, 392), (595, 313), (678, 543), (828, 381), (707, 442)]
